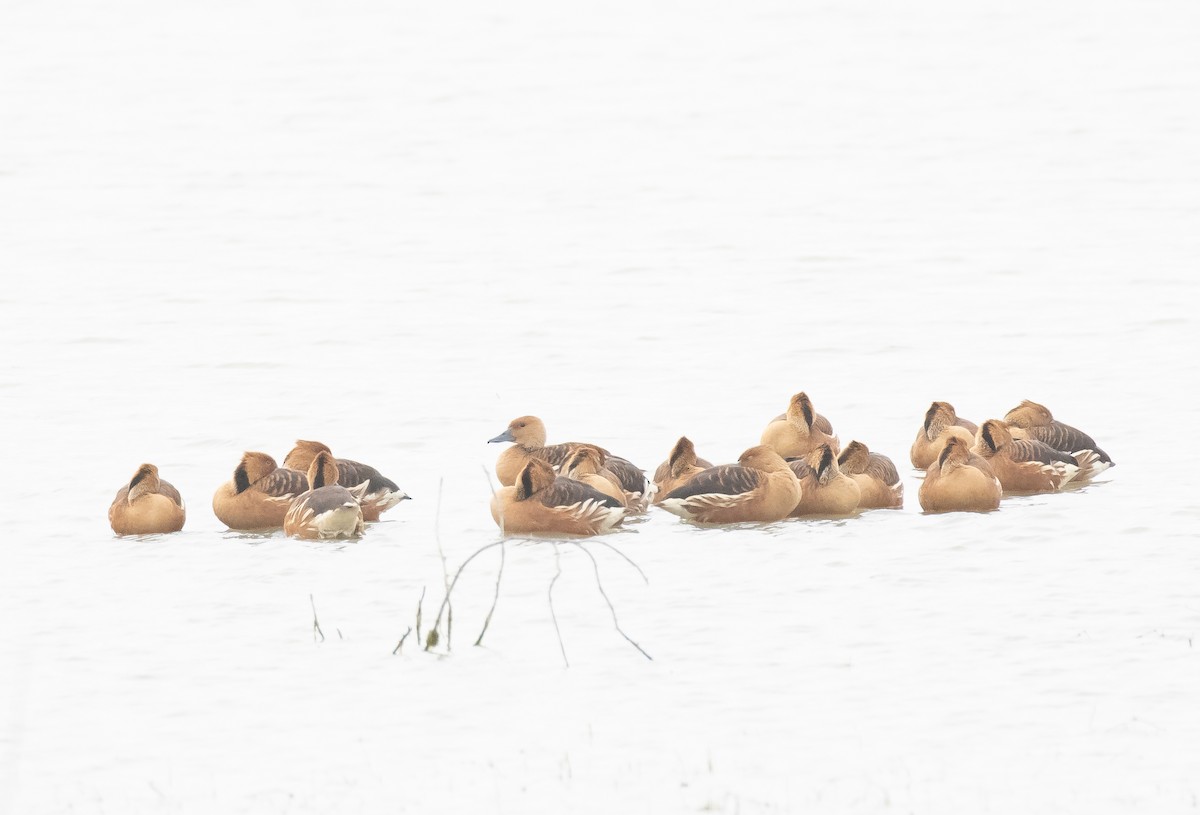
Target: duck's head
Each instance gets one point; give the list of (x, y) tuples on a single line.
[(251, 468), (682, 458), (1029, 414), (763, 457), (993, 437), (955, 453), (323, 471), (800, 410), (143, 482), (583, 459), (534, 477), (939, 416), (526, 431), (824, 463), (302, 455), (854, 458)]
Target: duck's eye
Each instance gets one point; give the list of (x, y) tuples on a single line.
[(522, 424)]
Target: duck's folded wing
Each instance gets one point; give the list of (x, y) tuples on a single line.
[(632, 478), (567, 491), (724, 481), (881, 467), (283, 483), (1068, 439)]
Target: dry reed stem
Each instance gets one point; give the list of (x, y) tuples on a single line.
[(550, 598), (316, 625), (612, 609), (495, 598)]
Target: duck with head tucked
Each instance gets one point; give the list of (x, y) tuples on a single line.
[(959, 481), (146, 505), (258, 495), (381, 493), (541, 503), (800, 430), (327, 509), (878, 481), (585, 463), (825, 491), (528, 435), (1029, 420), (1025, 465), (759, 488), (940, 422), (681, 466)]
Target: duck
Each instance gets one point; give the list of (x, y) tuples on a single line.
[(543, 503), (528, 434), (681, 466), (1024, 465), (940, 420), (760, 488), (585, 463), (258, 495), (798, 432), (959, 481), (382, 493), (824, 489), (327, 509), (878, 480), (146, 505), (1033, 421)]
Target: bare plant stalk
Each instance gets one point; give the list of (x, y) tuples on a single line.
[(626, 558), (604, 594), (496, 598), (437, 536), (316, 625), (420, 603), (550, 597), (446, 600), (400, 644)]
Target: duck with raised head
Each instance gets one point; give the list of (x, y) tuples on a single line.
[(327, 509), (381, 493), (759, 488), (878, 480), (146, 505), (528, 435), (800, 431), (585, 463), (1024, 465), (940, 420), (825, 491), (1033, 421), (959, 481), (258, 495), (542, 503), (681, 466)]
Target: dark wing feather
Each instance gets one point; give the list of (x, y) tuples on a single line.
[(352, 473), (726, 479), (1068, 439), (1034, 450), (283, 482), (801, 469), (881, 467), (632, 479), (168, 489), (324, 499), (566, 491)]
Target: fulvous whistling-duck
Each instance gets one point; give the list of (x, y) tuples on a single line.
[(147, 505)]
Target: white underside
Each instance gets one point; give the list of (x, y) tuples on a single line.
[(342, 522)]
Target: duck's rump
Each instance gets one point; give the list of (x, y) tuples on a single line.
[(1068, 439), (725, 479)]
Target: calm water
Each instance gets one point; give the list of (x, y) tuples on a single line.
[(394, 227)]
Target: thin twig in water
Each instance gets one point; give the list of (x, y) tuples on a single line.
[(400, 644), (604, 594), (316, 625), (627, 559), (420, 603), (550, 597), (453, 583), (495, 599)]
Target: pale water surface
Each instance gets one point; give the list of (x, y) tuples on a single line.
[(396, 226)]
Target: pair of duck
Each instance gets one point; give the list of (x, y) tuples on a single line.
[(969, 467), (313, 495)]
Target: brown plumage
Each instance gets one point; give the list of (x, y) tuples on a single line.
[(681, 466), (146, 505), (540, 503), (585, 464), (1035, 421), (528, 434), (759, 488), (327, 509), (381, 492), (878, 481), (825, 491), (258, 495), (798, 433), (940, 420), (1023, 465), (959, 481)]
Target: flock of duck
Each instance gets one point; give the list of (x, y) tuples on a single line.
[(798, 469)]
